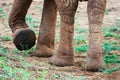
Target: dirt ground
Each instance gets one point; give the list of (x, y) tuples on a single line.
[(113, 6)]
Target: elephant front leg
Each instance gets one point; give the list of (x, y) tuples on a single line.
[(63, 56), (45, 44), (23, 37), (96, 10)]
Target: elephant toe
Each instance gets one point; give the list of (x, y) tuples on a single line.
[(24, 39), (95, 64), (59, 61)]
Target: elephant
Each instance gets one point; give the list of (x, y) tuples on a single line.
[(24, 38)]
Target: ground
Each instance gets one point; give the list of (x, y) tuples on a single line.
[(16, 65)]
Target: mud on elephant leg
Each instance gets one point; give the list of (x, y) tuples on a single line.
[(96, 10), (63, 56), (23, 37), (45, 44)]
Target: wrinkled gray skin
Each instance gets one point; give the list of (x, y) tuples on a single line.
[(24, 38)]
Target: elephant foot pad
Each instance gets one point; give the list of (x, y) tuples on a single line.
[(24, 39)]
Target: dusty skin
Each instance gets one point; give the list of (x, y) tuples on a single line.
[(63, 56), (81, 11)]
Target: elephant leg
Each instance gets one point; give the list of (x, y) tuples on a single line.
[(45, 44), (23, 37), (96, 9), (63, 56)]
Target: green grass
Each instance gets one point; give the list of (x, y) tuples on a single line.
[(9, 70), (61, 76), (111, 58), (79, 39), (25, 52), (32, 23), (2, 13), (80, 49), (106, 13), (117, 23), (15, 73), (6, 38), (4, 51), (110, 70), (1, 9), (107, 47), (80, 30)]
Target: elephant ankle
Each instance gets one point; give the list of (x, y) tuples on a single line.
[(94, 53), (14, 27), (17, 30)]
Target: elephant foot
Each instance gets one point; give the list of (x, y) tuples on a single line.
[(43, 51), (61, 61), (95, 64), (24, 39)]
